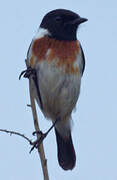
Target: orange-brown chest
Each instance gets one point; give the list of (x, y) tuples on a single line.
[(63, 52)]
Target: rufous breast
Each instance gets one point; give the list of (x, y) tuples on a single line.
[(64, 52)]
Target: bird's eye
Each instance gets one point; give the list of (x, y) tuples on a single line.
[(58, 18)]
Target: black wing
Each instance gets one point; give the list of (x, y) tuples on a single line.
[(83, 59)]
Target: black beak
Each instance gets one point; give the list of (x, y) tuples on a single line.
[(78, 20)]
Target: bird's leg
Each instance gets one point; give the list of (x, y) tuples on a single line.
[(37, 143)]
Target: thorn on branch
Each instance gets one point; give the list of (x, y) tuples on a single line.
[(29, 105)]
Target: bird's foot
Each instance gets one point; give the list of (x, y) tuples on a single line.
[(27, 73), (38, 142)]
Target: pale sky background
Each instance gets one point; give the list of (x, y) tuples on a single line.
[(95, 120)]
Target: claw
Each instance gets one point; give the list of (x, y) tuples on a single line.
[(38, 142), (26, 73), (37, 132), (22, 73)]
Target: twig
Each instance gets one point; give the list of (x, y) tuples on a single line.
[(37, 129), (17, 133)]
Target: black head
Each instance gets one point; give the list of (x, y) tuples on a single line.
[(62, 24)]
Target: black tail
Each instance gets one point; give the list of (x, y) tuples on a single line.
[(66, 152)]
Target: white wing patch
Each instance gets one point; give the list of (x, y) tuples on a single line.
[(41, 33)]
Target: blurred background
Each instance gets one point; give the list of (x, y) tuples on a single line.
[(95, 118)]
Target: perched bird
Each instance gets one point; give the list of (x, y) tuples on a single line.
[(58, 60)]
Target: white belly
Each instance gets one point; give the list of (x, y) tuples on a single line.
[(59, 90)]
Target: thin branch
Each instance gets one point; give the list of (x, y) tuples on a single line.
[(17, 133), (37, 129)]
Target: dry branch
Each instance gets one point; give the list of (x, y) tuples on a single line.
[(17, 133), (37, 129)]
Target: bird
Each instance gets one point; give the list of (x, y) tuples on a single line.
[(57, 59)]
